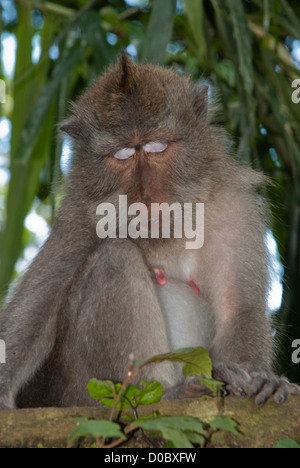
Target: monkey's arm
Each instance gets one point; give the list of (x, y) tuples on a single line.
[(243, 348), (28, 323)]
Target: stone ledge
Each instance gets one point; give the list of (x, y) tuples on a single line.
[(263, 427)]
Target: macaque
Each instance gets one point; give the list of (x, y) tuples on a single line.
[(87, 303)]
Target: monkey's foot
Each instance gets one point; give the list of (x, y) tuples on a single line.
[(257, 384), (190, 388), (193, 388)]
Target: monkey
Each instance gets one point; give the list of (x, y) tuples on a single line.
[(88, 302)]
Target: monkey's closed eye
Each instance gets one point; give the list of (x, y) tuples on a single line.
[(124, 153), (155, 147)]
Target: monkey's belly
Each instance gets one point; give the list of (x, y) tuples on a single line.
[(187, 316)]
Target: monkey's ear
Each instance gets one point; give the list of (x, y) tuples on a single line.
[(200, 99), (127, 71), (71, 126)]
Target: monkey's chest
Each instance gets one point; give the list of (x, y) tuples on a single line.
[(186, 313)]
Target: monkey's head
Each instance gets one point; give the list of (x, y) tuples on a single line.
[(139, 131)]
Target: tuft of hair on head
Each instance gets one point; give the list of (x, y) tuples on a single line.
[(200, 99), (127, 71)]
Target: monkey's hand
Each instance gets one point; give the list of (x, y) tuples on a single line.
[(257, 384), (267, 384)]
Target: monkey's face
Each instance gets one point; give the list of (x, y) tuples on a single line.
[(144, 170), (137, 131)]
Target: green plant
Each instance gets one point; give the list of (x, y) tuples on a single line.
[(178, 431), (287, 443)]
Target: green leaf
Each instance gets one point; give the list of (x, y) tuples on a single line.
[(287, 443), (132, 396), (243, 43), (196, 439), (69, 57), (179, 430), (225, 70), (292, 16), (104, 391), (195, 15), (100, 389), (27, 163), (224, 30), (194, 360), (187, 423), (23, 185), (224, 424), (110, 17), (169, 444), (151, 393), (98, 429), (177, 437), (103, 54), (159, 31), (129, 397), (197, 362), (131, 392), (213, 385)]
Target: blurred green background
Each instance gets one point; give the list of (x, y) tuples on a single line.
[(249, 51)]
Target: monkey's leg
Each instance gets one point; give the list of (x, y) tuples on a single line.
[(111, 312)]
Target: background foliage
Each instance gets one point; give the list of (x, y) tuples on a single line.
[(246, 49)]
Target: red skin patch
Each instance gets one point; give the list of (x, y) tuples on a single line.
[(162, 280), (160, 276), (194, 286)]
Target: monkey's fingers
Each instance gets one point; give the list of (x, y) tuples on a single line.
[(294, 389), (284, 389), (235, 378), (264, 386)]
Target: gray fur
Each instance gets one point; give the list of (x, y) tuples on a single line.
[(85, 305)]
